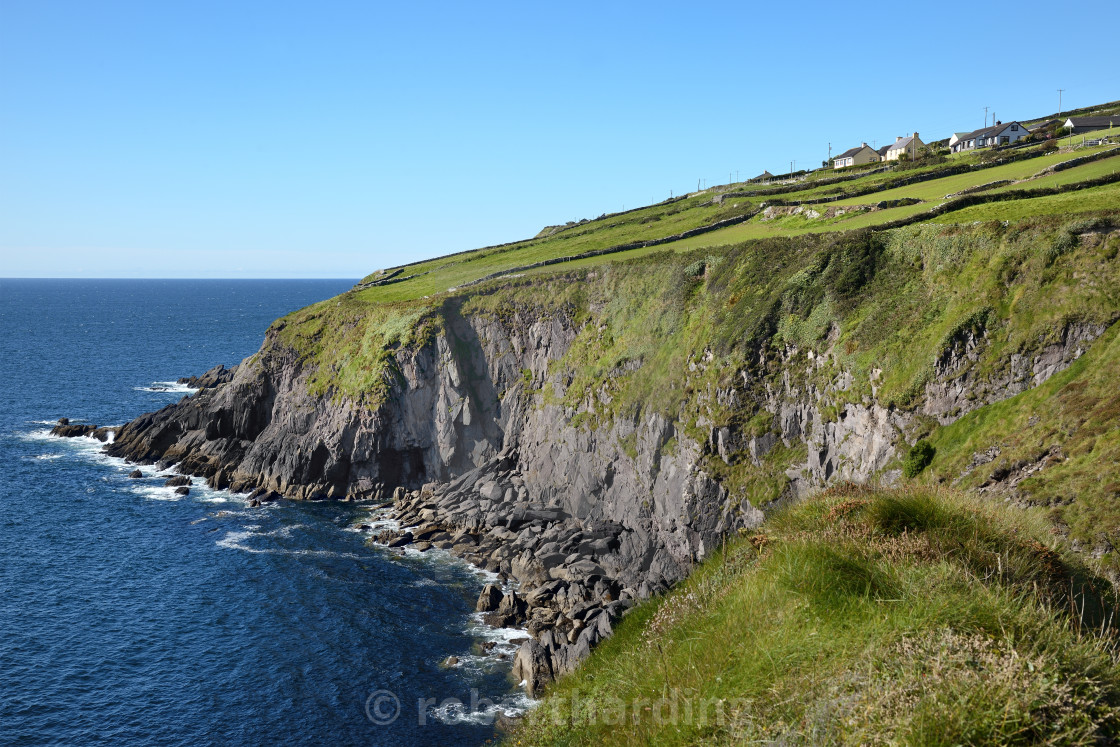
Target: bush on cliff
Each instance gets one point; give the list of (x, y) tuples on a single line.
[(917, 459)]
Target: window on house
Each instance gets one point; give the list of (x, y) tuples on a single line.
[(1014, 128)]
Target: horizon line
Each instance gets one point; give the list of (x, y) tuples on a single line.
[(54, 277)]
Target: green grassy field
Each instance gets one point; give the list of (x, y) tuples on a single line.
[(1104, 198), (937, 189), (1069, 176), (658, 221)]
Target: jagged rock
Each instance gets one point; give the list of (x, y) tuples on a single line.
[(401, 540), (533, 666), (513, 605), (489, 599), (182, 490), (135, 474), (214, 377), (178, 480)]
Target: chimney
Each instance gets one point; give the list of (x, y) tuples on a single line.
[(898, 138), (865, 145), (915, 136), (998, 122)]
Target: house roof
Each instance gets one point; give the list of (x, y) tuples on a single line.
[(900, 144), (852, 151), (763, 175), (883, 151), (990, 130)]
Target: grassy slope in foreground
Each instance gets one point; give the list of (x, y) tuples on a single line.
[(917, 616)]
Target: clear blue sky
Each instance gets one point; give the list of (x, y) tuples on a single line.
[(328, 139)]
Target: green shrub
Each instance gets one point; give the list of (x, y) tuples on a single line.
[(921, 454)]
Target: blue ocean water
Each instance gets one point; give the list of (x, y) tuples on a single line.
[(130, 617)]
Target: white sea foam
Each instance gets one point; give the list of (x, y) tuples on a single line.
[(167, 387), (239, 539), (157, 493), (90, 448), (482, 711)]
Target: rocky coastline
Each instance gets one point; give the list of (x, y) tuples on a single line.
[(581, 519), (574, 580)]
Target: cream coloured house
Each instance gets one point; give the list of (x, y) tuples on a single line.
[(908, 145), (855, 157)]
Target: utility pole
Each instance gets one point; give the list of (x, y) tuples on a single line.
[(1060, 102), (985, 116)]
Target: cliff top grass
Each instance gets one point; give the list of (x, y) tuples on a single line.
[(918, 616)]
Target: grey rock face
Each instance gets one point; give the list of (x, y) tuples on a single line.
[(475, 461)]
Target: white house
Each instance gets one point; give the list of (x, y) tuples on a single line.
[(956, 138), (908, 145), (997, 134), (856, 156)]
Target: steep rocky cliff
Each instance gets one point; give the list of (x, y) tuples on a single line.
[(593, 435)]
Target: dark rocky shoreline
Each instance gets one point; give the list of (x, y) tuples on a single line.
[(565, 598)]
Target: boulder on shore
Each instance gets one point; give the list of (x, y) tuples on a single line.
[(533, 666), (177, 481), (135, 474), (182, 490), (489, 599)]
